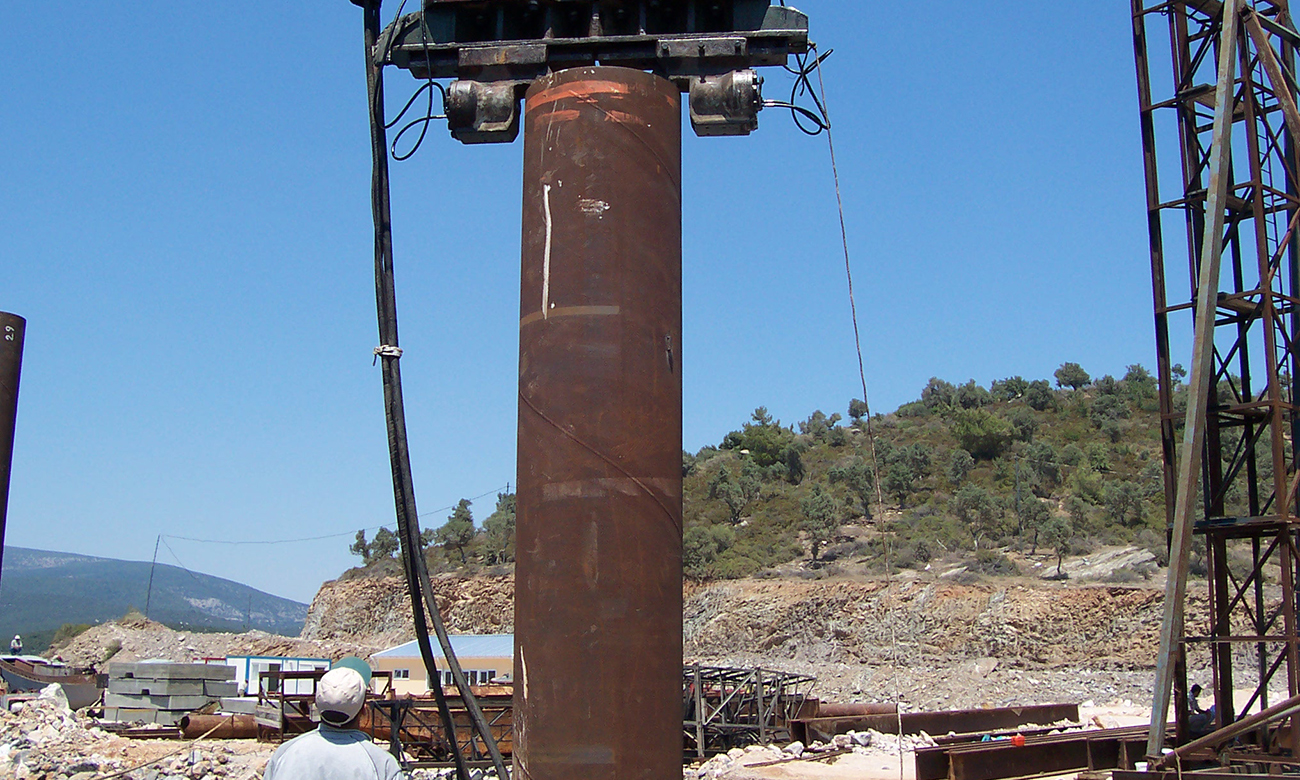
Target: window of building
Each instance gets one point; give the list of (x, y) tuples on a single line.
[(401, 674)]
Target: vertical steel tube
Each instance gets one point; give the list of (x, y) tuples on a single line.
[(12, 330), (598, 604)]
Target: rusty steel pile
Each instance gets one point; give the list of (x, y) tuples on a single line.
[(598, 613)]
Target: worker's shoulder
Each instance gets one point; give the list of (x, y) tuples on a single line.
[(297, 743), (387, 765)]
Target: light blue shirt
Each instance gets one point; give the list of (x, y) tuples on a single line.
[(330, 753)]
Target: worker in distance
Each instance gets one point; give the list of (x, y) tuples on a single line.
[(337, 750)]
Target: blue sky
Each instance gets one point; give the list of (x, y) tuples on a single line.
[(184, 221)]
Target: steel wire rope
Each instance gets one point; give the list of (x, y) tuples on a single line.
[(805, 71)]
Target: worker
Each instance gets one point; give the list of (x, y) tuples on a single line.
[(1199, 721), (337, 750), (16, 645)]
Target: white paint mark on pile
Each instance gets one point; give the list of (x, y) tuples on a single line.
[(546, 255)]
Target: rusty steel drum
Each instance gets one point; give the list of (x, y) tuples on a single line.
[(598, 604)]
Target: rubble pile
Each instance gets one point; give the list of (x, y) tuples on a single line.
[(44, 740), (859, 743), (139, 640)]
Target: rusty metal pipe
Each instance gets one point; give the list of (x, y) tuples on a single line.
[(13, 329), (598, 604), (227, 726)]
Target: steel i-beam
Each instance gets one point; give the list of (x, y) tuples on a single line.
[(598, 605)]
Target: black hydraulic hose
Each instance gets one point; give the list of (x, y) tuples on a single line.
[(386, 304), (408, 525)]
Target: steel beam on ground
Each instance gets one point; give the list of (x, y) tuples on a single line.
[(598, 611), (1042, 755), (955, 721)]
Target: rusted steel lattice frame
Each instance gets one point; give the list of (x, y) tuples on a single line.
[(412, 726), (726, 708), (1248, 481)]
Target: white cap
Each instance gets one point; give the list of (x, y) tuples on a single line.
[(340, 695)]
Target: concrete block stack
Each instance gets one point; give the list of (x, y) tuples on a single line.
[(163, 693)]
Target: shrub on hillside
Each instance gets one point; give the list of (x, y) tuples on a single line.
[(993, 564), (981, 434)]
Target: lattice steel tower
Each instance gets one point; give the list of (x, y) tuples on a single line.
[(1244, 508)]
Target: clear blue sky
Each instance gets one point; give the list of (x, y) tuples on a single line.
[(184, 221)]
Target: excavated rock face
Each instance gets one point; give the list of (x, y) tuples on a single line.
[(842, 622), (934, 623), (377, 610)]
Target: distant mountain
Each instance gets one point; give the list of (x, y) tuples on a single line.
[(42, 590)]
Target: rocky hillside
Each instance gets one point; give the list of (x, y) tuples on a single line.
[(935, 622), (377, 611), (137, 640)]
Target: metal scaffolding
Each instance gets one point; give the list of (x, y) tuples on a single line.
[(1234, 180), (724, 708)]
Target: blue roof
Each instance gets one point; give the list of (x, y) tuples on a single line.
[(463, 645)]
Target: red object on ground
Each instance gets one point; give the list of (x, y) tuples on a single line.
[(1018, 740)]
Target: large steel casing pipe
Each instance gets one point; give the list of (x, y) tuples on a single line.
[(598, 597), (13, 329)]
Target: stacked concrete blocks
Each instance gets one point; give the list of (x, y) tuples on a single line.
[(163, 693)]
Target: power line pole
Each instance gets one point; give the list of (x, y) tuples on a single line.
[(149, 593)]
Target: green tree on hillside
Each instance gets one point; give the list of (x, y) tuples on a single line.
[(1032, 516), (1072, 375), (1045, 471), (904, 467), (981, 434), (819, 426), (959, 465), (792, 457), (938, 394), (385, 545), (1139, 382), (857, 477), (1008, 389), (978, 509), (1039, 395), (972, 396), (822, 515), (764, 439), (1123, 502), (857, 409), (361, 547), (701, 546), (457, 533), (499, 530), (1057, 534), (736, 492)]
